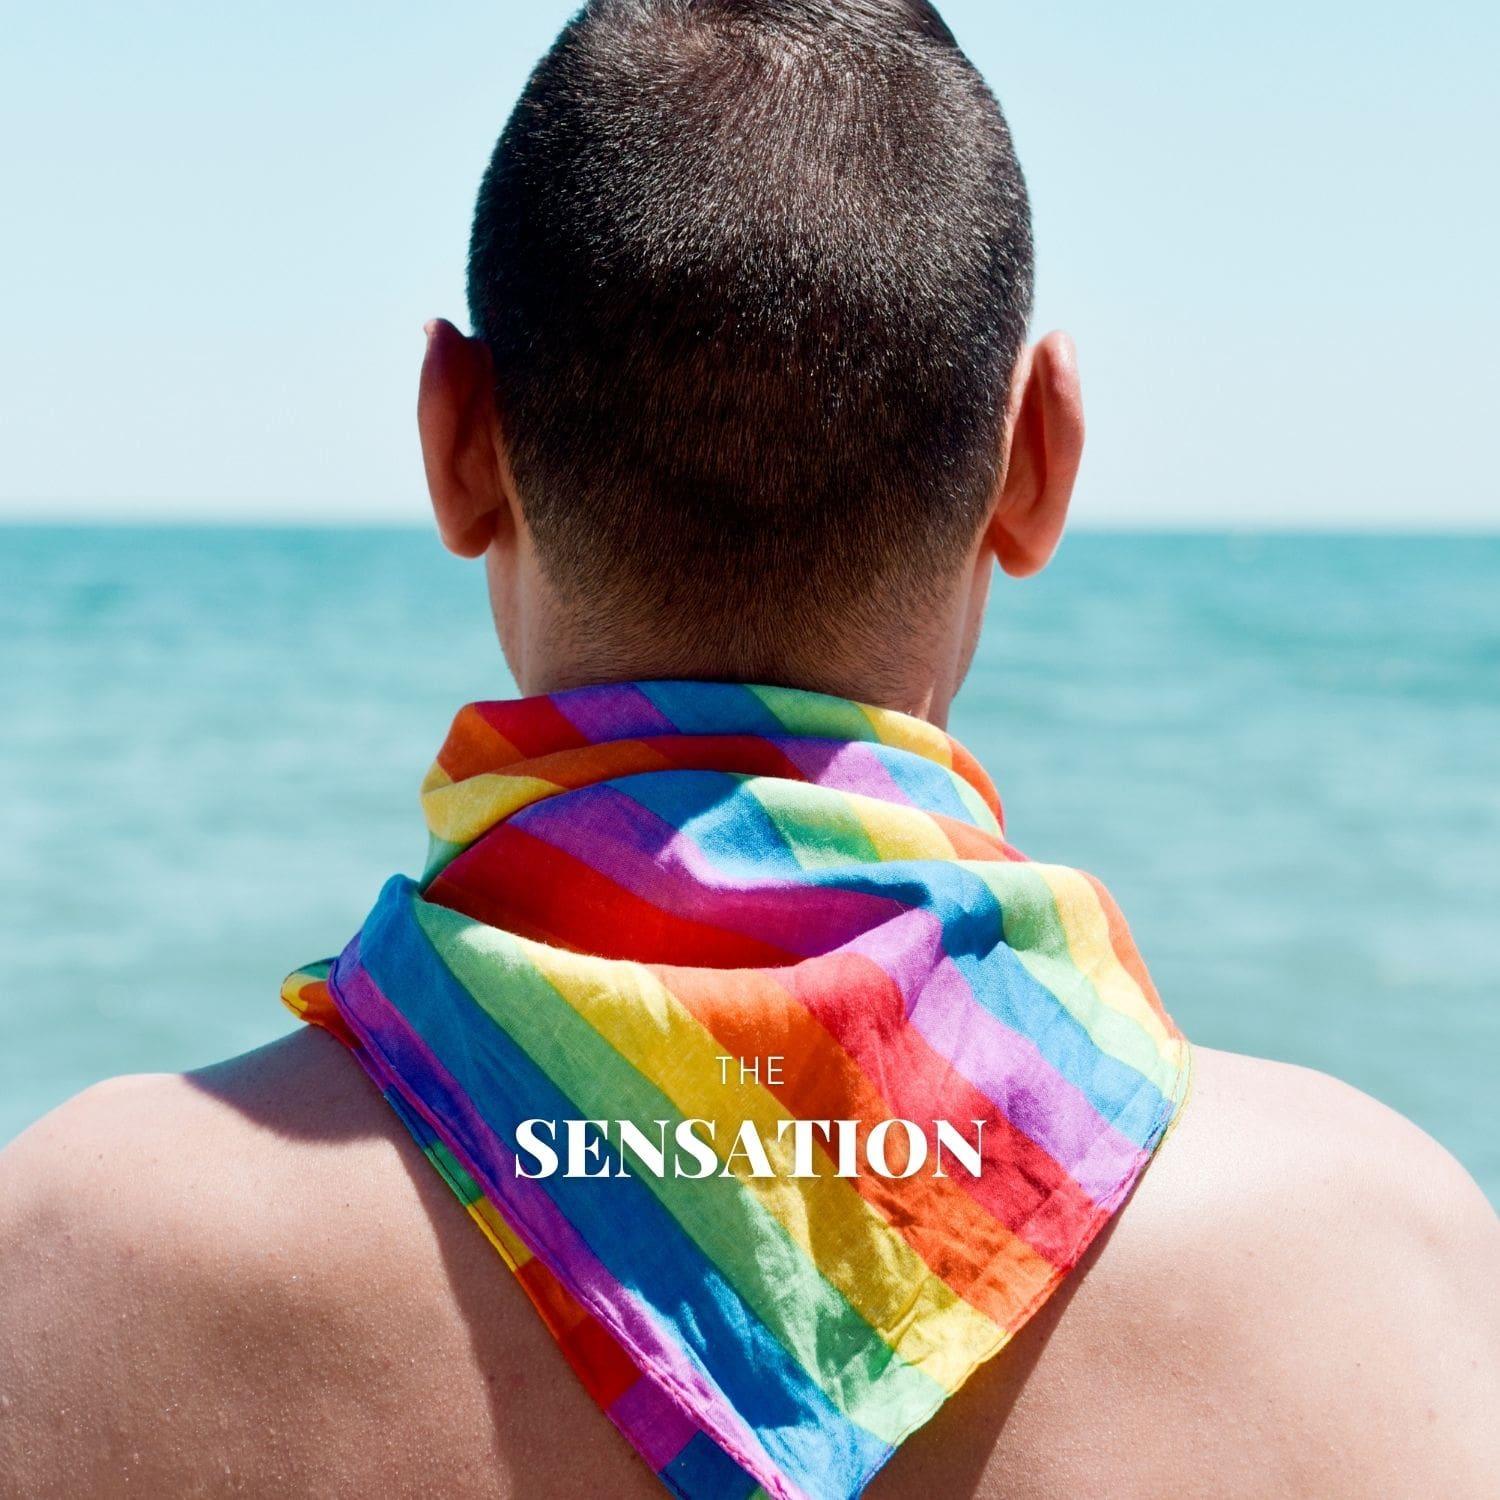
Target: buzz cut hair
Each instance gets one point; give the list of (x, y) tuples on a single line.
[(754, 276)]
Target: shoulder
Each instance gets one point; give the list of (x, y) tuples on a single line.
[(143, 1224), (1297, 1299), (1313, 1277), (1308, 1163), (198, 1174), (221, 1278)]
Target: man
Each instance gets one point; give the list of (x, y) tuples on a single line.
[(748, 400)]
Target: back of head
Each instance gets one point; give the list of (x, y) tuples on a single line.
[(754, 275)]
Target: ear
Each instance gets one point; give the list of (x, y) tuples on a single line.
[(460, 441), (1044, 446)]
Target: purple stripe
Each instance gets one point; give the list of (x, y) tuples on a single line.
[(1003, 1064), (653, 859), (612, 711), (409, 1064), (656, 1429)]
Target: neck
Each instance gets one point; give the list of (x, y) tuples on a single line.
[(911, 686), (907, 673)]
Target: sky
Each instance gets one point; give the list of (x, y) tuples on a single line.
[(1272, 230)]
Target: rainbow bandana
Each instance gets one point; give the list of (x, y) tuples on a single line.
[(784, 1085)]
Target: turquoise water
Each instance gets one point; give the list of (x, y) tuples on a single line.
[(1281, 753)]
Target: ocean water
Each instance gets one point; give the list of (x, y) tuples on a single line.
[(1282, 753)]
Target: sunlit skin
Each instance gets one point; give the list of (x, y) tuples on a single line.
[(248, 1280)]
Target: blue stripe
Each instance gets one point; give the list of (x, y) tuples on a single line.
[(624, 1224), (734, 831), (736, 834), (930, 786), (712, 708), (704, 1471)]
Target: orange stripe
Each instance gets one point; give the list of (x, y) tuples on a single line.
[(977, 1256), (970, 842), (474, 745), (975, 774), (318, 1009), (605, 1369), (1128, 954)]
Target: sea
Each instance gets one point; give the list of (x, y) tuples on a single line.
[(1281, 752)]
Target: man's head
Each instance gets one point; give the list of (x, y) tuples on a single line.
[(749, 282)]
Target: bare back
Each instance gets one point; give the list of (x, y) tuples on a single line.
[(249, 1281)]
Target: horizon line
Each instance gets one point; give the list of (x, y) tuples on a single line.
[(1234, 526)]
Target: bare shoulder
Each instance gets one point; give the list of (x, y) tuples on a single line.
[(1302, 1164), (1320, 1283), (1298, 1299), (250, 1279)]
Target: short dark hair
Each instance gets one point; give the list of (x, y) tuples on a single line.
[(754, 275)]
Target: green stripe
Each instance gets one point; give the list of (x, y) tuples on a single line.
[(978, 808), (840, 1351), (454, 1174), (820, 827), (1034, 932), (448, 1166), (440, 853), (816, 715)]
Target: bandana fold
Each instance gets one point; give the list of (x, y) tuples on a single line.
[(864, 1082)]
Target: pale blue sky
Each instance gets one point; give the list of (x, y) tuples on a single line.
[(1271, 228)]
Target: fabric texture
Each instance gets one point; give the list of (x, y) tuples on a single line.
[(629, 884)]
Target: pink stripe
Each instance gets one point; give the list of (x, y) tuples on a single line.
[(852, 766), (1003, 1064)]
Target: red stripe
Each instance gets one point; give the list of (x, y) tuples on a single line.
[(535, 726), (742, 754), (1023, 1185), (597, 1358), (513, 880), (959, 1239)]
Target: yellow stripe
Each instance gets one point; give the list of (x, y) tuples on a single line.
[(816, 829), (900, 832), (904, 732), (1086, 931), (875, 1270), (459, 811), (499, 1233), (291, 991), (436, 776)]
